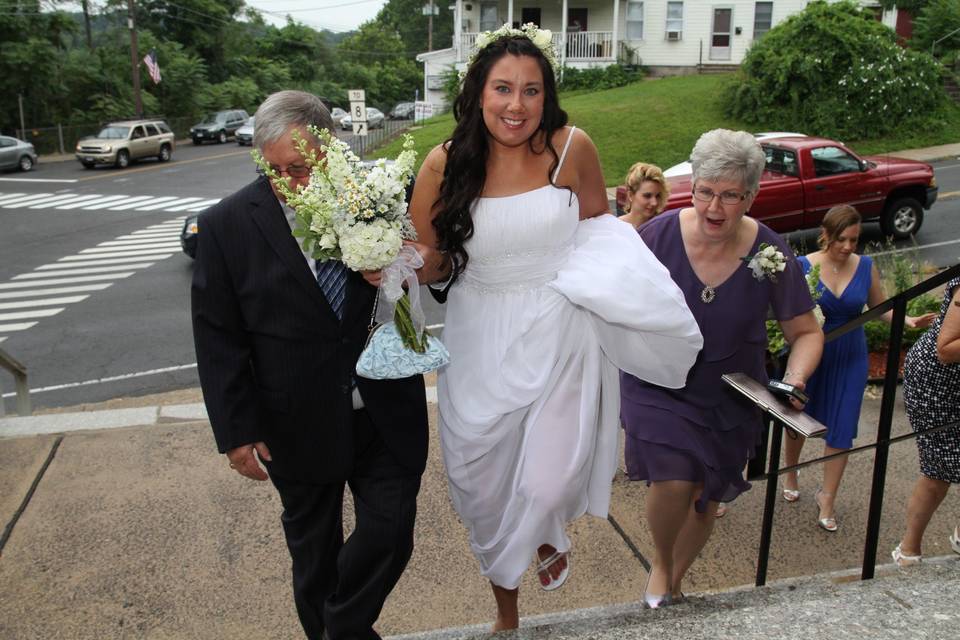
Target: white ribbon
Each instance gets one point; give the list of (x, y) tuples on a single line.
[(402, 269)]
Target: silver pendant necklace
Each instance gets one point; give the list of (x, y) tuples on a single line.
[(708, 294)]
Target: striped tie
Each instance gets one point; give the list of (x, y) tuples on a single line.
[(332, 278)]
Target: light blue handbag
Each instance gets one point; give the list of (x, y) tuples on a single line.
[(386, 357)]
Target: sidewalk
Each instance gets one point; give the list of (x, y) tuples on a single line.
[(141, 530)]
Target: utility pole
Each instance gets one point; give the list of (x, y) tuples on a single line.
[(23, 127), (430, 28), (134, 58), (86, 22)]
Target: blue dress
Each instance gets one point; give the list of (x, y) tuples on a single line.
[(836, 387)]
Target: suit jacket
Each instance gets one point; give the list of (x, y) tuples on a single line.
[(275, 362)]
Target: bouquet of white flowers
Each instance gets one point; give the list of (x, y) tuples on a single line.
[(356, 213)]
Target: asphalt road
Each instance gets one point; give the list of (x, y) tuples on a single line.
[(119, 323)]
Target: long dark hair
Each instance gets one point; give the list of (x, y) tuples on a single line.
[(468, 149)]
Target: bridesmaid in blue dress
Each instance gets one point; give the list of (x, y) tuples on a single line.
[(848, 283)]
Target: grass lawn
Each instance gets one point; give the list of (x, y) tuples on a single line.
[(659, 120)]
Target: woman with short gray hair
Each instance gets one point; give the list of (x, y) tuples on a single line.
[(691, 444)]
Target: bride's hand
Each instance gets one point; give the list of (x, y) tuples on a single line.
[(373, 278)]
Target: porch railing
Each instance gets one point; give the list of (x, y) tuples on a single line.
[(581, 45)]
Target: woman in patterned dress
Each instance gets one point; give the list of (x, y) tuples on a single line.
[(931, 389)]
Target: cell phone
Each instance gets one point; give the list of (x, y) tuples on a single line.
[(786, 391)]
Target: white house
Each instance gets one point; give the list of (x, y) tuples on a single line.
[(670, 37)]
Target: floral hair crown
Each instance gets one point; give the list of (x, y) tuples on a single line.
[(542, 38)]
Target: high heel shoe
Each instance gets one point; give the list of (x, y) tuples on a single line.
[(955, 540), (792, 495), (653, 601), (902, 559), (827, 524), (543, 569)]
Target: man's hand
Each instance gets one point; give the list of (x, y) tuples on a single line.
[(246, 464)]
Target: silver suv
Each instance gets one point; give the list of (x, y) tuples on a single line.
[(120, 143), (218, 126)]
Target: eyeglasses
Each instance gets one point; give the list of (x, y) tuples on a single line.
[(704, 194), (293, 171)]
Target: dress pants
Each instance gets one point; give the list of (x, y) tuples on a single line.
[(339, 587)]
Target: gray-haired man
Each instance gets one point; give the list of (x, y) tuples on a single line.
[(277, 339)]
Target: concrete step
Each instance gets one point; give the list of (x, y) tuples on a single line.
[(916, 603), (719, 68)]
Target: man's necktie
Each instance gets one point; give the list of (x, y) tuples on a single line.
[(332, 278)]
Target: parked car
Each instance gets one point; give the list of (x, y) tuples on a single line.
[(402, 111), (375, 120), (16, 154), (120, 143), (244, 134), (805, 176), (337, 114), (218, 126), (684, 168), (188, 235)]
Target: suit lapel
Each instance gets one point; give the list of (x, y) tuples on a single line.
[(269, 218)]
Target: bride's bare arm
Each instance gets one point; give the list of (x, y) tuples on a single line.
[(592, 191)]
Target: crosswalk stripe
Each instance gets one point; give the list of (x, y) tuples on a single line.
[(133, 251), (75, 198), (200, 206), (165, 235), (125, 204), (156, 203), (27, 315), (23, 285), (174, 203), (54, 292), (158, 254), (21, 326), (4, 197), (81, 270), (102, 200), (143, 241), (74, 262), (127, 200), (47, 202), (18, 202), (2, 338), (23, 304)]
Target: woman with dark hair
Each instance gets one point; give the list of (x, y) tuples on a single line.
[(848, 282), (540, 314)]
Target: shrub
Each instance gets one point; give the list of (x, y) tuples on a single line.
[(598, 78), (935, 21), (833, 70)]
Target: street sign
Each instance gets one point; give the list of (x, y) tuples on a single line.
[(358, 112), (422, 110)]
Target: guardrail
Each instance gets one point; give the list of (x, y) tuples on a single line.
[(899, 305), (19, 372)]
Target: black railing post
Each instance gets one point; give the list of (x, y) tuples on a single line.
[(770, 502), (883, 436)]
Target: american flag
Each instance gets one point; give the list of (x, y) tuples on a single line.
[(152, 66)]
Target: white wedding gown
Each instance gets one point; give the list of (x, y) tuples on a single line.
[(546, 312)]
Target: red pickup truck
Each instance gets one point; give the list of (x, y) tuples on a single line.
[(806, 176)]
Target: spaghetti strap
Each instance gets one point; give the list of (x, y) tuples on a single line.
[(563, 154)]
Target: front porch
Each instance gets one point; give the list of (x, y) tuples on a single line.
[(584, 35)]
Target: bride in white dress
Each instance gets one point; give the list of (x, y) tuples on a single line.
[(551, 295)]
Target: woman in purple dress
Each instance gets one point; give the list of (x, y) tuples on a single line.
[(691, 444)]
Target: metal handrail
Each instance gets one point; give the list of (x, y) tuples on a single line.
[(898, 303), (19, 372)]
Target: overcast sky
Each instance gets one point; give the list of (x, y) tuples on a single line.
[(335, 15)]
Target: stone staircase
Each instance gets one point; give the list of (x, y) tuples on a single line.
[(717, 68), (951, 86), (917, 603)]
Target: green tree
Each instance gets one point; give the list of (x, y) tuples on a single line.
[(935, 21), (834, 70), (405, 17), (376, 60)]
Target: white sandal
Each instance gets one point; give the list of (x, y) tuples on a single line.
[(955, 540), (544, 566), (904, 560)]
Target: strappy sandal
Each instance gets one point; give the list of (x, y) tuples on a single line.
[(827, 524), (543, 569), (902, 559), (654, 601), (955, 540), (792, 495)]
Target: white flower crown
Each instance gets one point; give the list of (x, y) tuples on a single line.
[(542, 38)]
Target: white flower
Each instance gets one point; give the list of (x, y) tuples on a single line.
[(767, 262), (542, 38), (483, 39)]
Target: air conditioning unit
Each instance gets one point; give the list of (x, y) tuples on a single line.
[(673, 36)]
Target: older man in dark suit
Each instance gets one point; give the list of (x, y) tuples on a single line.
[(277, 338)]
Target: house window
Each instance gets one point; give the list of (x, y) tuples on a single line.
[(762, 19), (634, 20), (674, 20), (489, 18)]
